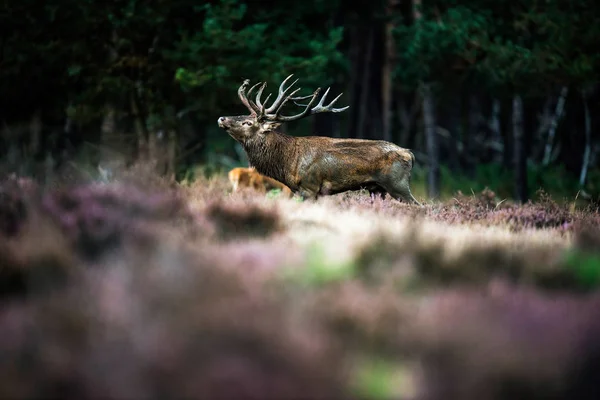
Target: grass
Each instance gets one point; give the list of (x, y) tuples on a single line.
[(141, 288)]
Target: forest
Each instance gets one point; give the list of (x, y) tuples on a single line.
[(485, 93), (135, 264)]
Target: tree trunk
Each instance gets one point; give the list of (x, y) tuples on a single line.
[(496, 129), (519, 156), (560, 105), (387, 72), (364, 90), (495, 119), (35, 134), (407, 113), (141, 130), (453, 118), (588, 142), (108, 127), (544, 120), (431, 139), (171, 154), (473, 127), (153, 154), (48, 168), (355, 62), (429, 126)]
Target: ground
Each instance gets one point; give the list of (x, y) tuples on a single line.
[(139, 287)]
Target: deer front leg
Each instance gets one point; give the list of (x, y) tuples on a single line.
[(307, 194)]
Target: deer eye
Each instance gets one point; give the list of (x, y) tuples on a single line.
[(247, 123)]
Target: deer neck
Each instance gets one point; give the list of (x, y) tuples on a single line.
[(273, 155)]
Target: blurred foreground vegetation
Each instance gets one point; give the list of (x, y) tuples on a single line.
[(140, 287)]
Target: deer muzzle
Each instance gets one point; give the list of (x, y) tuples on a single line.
[(222, 122)]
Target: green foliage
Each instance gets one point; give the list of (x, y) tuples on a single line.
[(318, 271), (586, 267), (528, 48), (377, 379), (187, 58), (427, 48), (273, 193), (234, 44), (554, 180)]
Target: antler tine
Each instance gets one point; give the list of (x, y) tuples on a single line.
[(319, 108), (244, 99), (295, 99), (288, 97), (252, 88), (304, 113), (252, 103), (328, 107), (280, 96), (320, 104), (257, 99), (262, 107)]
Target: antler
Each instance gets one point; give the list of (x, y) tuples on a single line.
[(319, 108), (257, 108), (242, 95)]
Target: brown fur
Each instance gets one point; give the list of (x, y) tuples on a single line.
[(249, 178), (316, 165)]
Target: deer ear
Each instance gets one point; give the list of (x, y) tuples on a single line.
[(270, 125)]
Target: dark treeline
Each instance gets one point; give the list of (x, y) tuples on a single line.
[(464, 83)]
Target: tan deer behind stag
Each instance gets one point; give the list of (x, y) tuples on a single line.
[(250, 178), (316, 165)]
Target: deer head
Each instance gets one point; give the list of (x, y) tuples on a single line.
[(263, 119)]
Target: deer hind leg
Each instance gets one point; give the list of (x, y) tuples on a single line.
[(400, 192), (397, 184)]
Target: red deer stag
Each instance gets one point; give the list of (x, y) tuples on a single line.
[(315, 165)]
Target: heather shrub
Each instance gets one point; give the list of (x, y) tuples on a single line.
[(243, 219), (96, 218), (183, 328), (362, 200), (508, 343), (35, 261), (387, 259), (532, 216), (414, 261), (206, 190), (143, 175), (15, 194), (47, 230), (485, 199), (485, 209), (120, 290), (586, 232), (366, 319)]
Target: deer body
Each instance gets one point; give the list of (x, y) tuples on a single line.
[(315, 165)]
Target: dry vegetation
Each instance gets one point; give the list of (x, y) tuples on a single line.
[(143, 289)]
